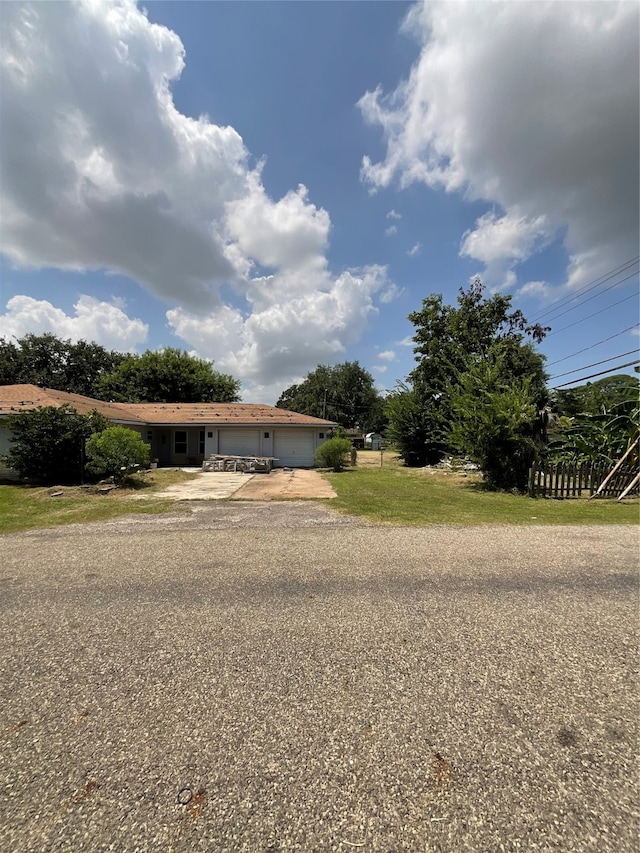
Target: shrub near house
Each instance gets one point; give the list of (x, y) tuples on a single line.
[(47, 443), (116, 452)]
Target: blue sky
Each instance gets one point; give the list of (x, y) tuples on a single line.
[(276, 185)]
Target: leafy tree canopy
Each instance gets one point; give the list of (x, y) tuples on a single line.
[(448, 342), (47, 361), (596, 397), (344, 393), (167, 376)]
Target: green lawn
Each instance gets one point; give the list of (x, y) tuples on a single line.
[(415, 496), (28, 507)]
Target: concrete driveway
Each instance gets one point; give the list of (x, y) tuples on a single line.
[(280, 484), (270, 676)]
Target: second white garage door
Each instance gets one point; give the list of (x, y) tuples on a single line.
[(293, 448), (239, 442)]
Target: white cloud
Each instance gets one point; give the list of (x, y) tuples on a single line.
[(101, 171), (532, 106), (279, 344), (387, 355), (392, 229), (390, 292), (393, 215), (539, 289), (379, 368), (413, 251), (104, 323)]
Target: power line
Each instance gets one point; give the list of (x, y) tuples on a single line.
[(593, 346), (589, 316), (602, 373), (595, 296), (587, 287), (595, 363)]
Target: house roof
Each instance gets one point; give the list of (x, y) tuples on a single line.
[(21, 398), (17, 398)]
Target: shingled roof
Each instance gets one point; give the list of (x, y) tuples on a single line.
[(21, 398), (17, 398)]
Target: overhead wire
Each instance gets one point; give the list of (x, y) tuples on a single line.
[(586, 288), (595, 296), (592, 375), (593, 346), (595, 363), (589, 316)]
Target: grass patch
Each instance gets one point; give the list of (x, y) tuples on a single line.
[(25, 507), (418, 496)]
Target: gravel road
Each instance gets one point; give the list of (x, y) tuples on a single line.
[(304, 681)]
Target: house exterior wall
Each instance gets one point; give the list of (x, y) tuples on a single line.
[(5, 446)]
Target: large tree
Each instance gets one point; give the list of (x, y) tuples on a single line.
[(344, 393), (50, 362), (448, 342), (167, 376)]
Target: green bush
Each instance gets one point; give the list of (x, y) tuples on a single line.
[(334, 453), (47, 443), (116, 452)]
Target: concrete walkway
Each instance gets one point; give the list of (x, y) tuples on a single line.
[(280, 484)]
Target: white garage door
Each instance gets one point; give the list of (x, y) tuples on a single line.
[(239, 442), (293, 448)]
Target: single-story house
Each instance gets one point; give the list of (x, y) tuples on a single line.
[(180, 434)]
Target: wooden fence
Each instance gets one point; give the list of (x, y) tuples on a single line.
[(566, 480)]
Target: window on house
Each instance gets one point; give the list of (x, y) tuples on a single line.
[(321, 435), (149, 436), (266, 435), (201, 443), (180, 441)]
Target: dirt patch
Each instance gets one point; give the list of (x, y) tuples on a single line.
[(281, 484)]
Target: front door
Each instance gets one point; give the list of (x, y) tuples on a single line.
[(164, 447)]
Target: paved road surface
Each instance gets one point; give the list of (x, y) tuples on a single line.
[(313, 683)]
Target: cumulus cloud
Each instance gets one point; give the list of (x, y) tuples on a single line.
[(413, 251), (387, 355), (105, 323), (100, 171), (531, 106), (98, 168), (392, 229), (289, 337)]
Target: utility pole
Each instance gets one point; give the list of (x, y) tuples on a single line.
[(324, 405)]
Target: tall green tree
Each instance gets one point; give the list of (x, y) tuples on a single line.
[(409, 424), (448, 341), (50, 362), (167, 376), (495, 421), (344, 393)]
